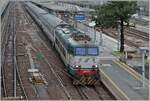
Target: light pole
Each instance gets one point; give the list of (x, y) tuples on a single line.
[(101, 38), (143, 51), (94, 34), (92, 24)]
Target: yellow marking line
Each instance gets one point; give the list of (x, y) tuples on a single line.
[(136, 73), (90, 81), (133, 73), (115, 85)]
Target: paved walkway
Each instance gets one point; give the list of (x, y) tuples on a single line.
[(125, 81)]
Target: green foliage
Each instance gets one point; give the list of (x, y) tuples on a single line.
[(117, 53), (109, 13), (113, 13), (39, 56)]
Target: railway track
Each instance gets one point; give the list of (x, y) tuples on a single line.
[(135, 33), (4, 29), (83, 95), (57, 68), (51, 65), (11, 81), (8, 62), (133, 42), (19, 90), (22, 58)]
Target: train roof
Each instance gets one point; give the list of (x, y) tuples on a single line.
[(68, 34), (51, 19), (35, 8), (73, 36)]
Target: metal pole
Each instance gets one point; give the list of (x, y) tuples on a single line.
[(76, 12), (101, 38), (126, 56), (143, 68), (94, 34)]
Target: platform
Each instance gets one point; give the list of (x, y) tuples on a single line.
[(63, 7), (129, 86)]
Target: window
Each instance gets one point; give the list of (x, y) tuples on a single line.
[(86, 51), (92, 51), (80, 51), (61, 47)]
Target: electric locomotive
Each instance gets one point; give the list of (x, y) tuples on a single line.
[(76, 49)]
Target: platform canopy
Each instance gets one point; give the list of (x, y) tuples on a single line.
[(66, 7)]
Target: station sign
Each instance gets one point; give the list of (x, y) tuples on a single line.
[(79, 17)]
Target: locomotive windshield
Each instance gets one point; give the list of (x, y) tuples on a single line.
[(90, 51), (80, 51)]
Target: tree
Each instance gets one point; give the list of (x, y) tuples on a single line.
[(113, 13)]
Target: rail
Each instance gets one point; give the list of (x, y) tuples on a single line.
[(10, 28), (83, 95), (6, 33)]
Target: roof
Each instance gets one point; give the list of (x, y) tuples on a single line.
[(50, 19), (36, 9), (53, 20), (73, 8), (73, 37)]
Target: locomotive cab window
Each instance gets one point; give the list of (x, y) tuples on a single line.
[(88, 51), (80, 51), (92, 51)]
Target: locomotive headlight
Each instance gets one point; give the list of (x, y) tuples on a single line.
[(77, 66), (94, 66)]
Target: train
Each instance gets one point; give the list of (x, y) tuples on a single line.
[(76, 49)]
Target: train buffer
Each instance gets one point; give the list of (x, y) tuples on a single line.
[(12, 98), (36, 77)]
